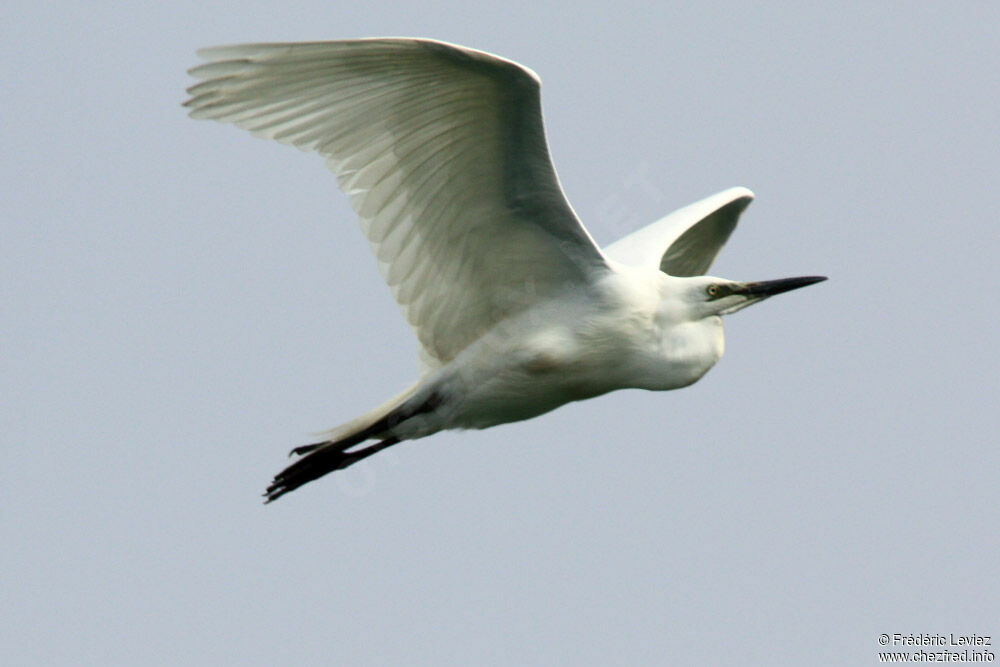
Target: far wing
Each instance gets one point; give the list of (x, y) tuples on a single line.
[(443, 153), (686, 242)]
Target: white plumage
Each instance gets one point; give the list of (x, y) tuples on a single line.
[(442, 152)]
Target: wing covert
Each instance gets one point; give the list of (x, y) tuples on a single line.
[(442, 152)]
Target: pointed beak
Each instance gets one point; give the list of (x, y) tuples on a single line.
[(766, 288)]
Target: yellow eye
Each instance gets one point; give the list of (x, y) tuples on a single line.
[(713, 291)]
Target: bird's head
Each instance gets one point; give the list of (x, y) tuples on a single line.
[(706, 296)]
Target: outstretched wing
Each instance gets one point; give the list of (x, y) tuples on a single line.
[(686, 242), (442, 151)]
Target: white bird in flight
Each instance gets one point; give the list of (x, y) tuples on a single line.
[(442, 152)]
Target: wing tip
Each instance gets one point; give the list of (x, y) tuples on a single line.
[(737, 193)]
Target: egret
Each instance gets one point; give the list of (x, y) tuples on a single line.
[(517, 311)]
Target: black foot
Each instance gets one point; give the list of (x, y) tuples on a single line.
[(305, 449)]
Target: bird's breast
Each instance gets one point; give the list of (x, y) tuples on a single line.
[(682, 354)]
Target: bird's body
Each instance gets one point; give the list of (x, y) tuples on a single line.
[(616, 335), (517, 310)]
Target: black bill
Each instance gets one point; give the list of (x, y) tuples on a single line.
[(766, 288)]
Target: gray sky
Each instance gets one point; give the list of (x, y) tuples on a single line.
[(183, 303)]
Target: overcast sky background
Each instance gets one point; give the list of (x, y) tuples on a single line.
[(182, 303)]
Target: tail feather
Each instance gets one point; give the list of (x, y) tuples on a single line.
[(342, 450), (366, 420)]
